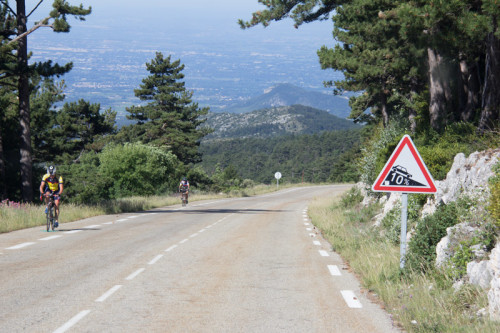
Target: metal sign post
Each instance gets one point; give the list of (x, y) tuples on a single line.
[(404, 218)]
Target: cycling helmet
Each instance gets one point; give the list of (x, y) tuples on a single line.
[(184, 179), (51, 170)]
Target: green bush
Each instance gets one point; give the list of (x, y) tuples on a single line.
[(494, 205), (136, 169), (428, 232), (120, 171)]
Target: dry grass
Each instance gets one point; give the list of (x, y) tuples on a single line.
[(417, 302)]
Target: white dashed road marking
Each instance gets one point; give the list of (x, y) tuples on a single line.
[(171, 248), (351, 299), (134, 274), (155, 259), (323, 253), (108, 293), (334, 270), (20, 246), (92, 226), (50, 238), (183, 241), (72, 322), (317, 243), (72, 231)]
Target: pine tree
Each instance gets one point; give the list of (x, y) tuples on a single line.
[(18, 36), (170, 119)]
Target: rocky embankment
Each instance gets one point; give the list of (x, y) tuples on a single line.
[(468, 176)]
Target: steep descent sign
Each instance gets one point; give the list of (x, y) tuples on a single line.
[(405, 171)]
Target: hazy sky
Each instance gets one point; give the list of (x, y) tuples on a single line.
[(214, 18)]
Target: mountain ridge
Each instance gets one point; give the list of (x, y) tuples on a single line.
[(275, 121), (285, 94)]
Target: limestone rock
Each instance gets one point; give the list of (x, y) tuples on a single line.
[(479, 273)]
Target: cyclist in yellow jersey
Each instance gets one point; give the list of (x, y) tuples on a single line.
[(52, 185)]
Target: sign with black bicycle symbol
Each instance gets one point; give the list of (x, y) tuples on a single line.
[(405, 171)]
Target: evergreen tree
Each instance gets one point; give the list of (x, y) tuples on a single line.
[(170, 119), (18, 37)]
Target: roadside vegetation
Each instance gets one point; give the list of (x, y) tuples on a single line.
[(418, 301)]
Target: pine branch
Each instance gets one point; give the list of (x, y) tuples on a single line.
[(38, 4), (40, 24), (8, 7)]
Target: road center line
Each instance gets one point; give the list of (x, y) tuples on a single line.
[(20, 246), (92, 226), (155, 259), (183, 241), (334, 270), (72, 321), (132, 217), (194, 235), (121, 220), (108, 293), (73, 231), (171, 248), (50, 238), (351, 299), (134, 274)]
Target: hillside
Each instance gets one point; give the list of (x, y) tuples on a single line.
[(288, 94), (276, 121)]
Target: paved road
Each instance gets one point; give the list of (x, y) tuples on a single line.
[(233, 265)]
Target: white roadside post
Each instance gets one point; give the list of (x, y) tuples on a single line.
[(277, 175), (404, 172)]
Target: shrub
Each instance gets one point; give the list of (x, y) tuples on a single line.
[(494, 204), (428, 232)]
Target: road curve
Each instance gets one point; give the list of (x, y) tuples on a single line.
[(251, 264)]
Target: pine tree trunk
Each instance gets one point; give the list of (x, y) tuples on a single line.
[(439, 90), (469, 101), (383, 107), (491, 91), (3, 184), (24, 106)]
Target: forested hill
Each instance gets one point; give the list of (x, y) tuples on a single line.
[(317, 157), (277, 121), (288, 94)]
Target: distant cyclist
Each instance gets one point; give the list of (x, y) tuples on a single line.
[(184, 188), (52, 185)]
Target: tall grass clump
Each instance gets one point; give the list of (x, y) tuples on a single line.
[(419, 301)]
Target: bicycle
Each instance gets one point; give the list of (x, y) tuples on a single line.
[(49, 212), (184, 196)]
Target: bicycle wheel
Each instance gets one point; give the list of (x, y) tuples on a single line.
[(48, 220), (51, 213)]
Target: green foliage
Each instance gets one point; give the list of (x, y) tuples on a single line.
[(494, 185), (309, 158), (391, 223), (351, 198), (170, 119), (429, 231), (120, 171), (136, 169)]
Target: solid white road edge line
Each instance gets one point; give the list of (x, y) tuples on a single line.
[(155, 259), (20, 246), (134, 274), (108, 293), (72, 321), (334, 270), (92, 226), (351, 299), (183, 241)]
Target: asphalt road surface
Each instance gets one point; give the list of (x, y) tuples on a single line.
[(234, 265)]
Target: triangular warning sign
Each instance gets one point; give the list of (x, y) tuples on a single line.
[(405, 171)]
